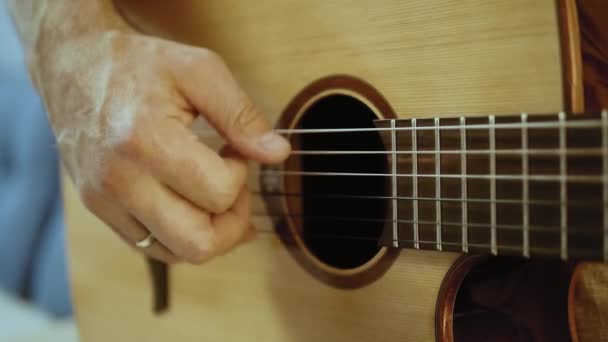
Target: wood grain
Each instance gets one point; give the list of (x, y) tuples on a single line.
[(589, 288), (594, 50), (258, 292), (589, 303), (572, 65), (426, 57)]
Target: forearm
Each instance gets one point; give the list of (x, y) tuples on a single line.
[(67, 43), (47, 24)]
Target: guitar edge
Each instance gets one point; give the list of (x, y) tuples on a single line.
[(258, 292), (477, 64)]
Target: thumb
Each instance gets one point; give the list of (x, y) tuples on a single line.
[(213, 91)]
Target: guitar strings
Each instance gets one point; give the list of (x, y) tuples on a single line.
[(433, 243), (581, 203), (579, 123), (333, 237), (527, 125), (378, 239), (529, 177), (587, 152), (504, 227)]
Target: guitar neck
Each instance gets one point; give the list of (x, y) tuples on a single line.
[(522, 185)]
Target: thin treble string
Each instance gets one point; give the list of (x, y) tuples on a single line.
[(517, 152), (503, 227), (430, 199), (594, 123), (586, 123), (377, 239), (334, 237), (530, 177)]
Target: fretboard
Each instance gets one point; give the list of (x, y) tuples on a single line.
[(522, 185)]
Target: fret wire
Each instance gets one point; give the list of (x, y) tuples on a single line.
[(563, 189), (569, 178), (394, 186), (525, 195), (463, 186), (541, 125), (548, 152), (437, 187), (415, 184), (492, 144), (605, 173)]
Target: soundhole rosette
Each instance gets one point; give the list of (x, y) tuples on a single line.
[(324, 221)]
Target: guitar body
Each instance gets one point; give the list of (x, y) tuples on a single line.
[(425, 58)]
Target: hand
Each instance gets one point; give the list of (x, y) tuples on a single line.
[(121, 105)]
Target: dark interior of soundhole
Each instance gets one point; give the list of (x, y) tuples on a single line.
[(515, 300), (339, 228)]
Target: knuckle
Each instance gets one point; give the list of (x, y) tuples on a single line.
[(108, 180), (203, 58), (245, 116), (219, 203), (111, 182), (225, 196), (199, 253), (132, 144), (211, 56)]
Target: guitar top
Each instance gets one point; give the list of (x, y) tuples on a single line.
[(448, 180)]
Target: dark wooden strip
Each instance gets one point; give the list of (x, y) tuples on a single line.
[(427, 231), (508, 138), (585, 222), (584, 165), (539, 138), (594, 50), (583, 137), (404, 188), (477, 139), (404, 137), (427, 186), (451, 234), (479, 232)]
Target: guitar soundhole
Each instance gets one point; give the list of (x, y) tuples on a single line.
[(328, 216), (341, 216)]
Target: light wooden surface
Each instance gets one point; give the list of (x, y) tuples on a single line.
[(256, 293), (589, 296), (425, 57)]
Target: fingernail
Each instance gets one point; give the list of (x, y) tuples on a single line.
[(273, 142)]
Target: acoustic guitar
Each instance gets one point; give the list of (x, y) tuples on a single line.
[(448, 181)]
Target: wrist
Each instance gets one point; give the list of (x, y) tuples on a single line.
[(60, 29), (46, 25)]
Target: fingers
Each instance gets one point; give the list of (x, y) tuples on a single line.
[(187, 231), (176, 223), (182, 231), (178, 159), (163, 180), (125, 226), (233, 227), (212, 90)]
